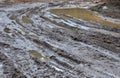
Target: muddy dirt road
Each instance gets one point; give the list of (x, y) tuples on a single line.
[(35, 43)]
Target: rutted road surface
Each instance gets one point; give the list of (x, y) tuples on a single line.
[(37, 44)]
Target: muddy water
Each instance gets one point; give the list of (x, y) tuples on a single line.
[(85, 15)]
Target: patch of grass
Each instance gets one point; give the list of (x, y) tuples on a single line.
[(13, 17), (38, 55), (35, 53), (26, 19), (7, 30), (85, 15)]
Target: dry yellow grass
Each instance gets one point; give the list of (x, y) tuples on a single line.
[(85, 15)]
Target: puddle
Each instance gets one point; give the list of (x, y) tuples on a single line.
[(85, 15), (38, 55)]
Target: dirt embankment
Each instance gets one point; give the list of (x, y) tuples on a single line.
[(33, 45), (111, 9)]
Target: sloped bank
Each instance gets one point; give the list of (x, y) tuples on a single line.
[(111, 9), (51, 46)]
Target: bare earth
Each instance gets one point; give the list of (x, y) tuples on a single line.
[(35, 43)]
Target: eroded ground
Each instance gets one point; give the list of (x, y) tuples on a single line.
[(35, 43)]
